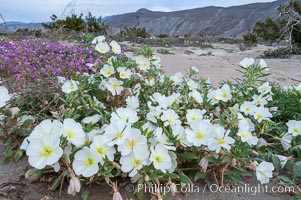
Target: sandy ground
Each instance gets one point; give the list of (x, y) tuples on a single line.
[(221, 65), (224, 63), (13, 186)]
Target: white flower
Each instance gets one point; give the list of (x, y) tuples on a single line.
[(70, 86), (102, 47), (194, 115), (143, 63), (195, 69), (162, 139), (101, 147), (116, 133), (161, 158), (116, 48), (46, 127), (283, 160), (192, 85), (294, 127), (246, 136), (212, 97), (156, 61), (114, 86), (92, 119), (265, 88), (261, 113), (135, 143), (196, 95), (259, 100), (247, 62), (98, 39), (298, 88), (126, 115), (124, 73), (220, 139), (264, 171), (44, 151), (170, 117), (224, 93), (200, 133), (132, 162), (263, 64), (74, 132), (107, 71), (286, 141), (178, 78), (154, 114), (74, 186), (86, 162), (4, 96), (248, 108), (132, 102)]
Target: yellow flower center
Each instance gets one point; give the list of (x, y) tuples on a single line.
[(193, 118), (158, 159), (70, 134), (89, 162), (71, 87), (118, 135), (248, 109), (199, 135), (296, 130), (259, 116), (220, 141), (136, 162), (132, 144), (46, 152), (101, 150), (114, 86), (122, 74), (170, 121), (108, 72), (224, 95)]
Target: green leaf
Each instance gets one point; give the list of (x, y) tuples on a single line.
[(185, 179), (19, 155), (173, 176), (199, 175), (285, 180), (276, 162), (297, 169), (212, 159), (85, 195), (189, 156)]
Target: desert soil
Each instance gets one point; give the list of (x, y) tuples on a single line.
[(221, 65), (224, 63)]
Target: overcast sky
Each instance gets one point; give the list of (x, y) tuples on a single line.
[(41, 10)]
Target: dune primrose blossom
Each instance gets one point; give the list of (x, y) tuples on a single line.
[(86, 162), (70, 86), (74, 132), (44, 151), (4, 96), (264, 171)]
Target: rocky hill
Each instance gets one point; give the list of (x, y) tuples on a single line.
[(226, 22)]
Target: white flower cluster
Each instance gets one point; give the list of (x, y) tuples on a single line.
[(145, 131)]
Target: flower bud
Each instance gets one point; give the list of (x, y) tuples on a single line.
[(74, 186)]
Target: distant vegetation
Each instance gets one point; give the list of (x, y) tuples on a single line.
[(287, 27)]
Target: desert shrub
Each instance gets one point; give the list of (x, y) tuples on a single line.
[(132, 33), (282, 52), (250, 40), (269, 30), (164, 51), (76, 23), (127, 118), (163, 36)]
